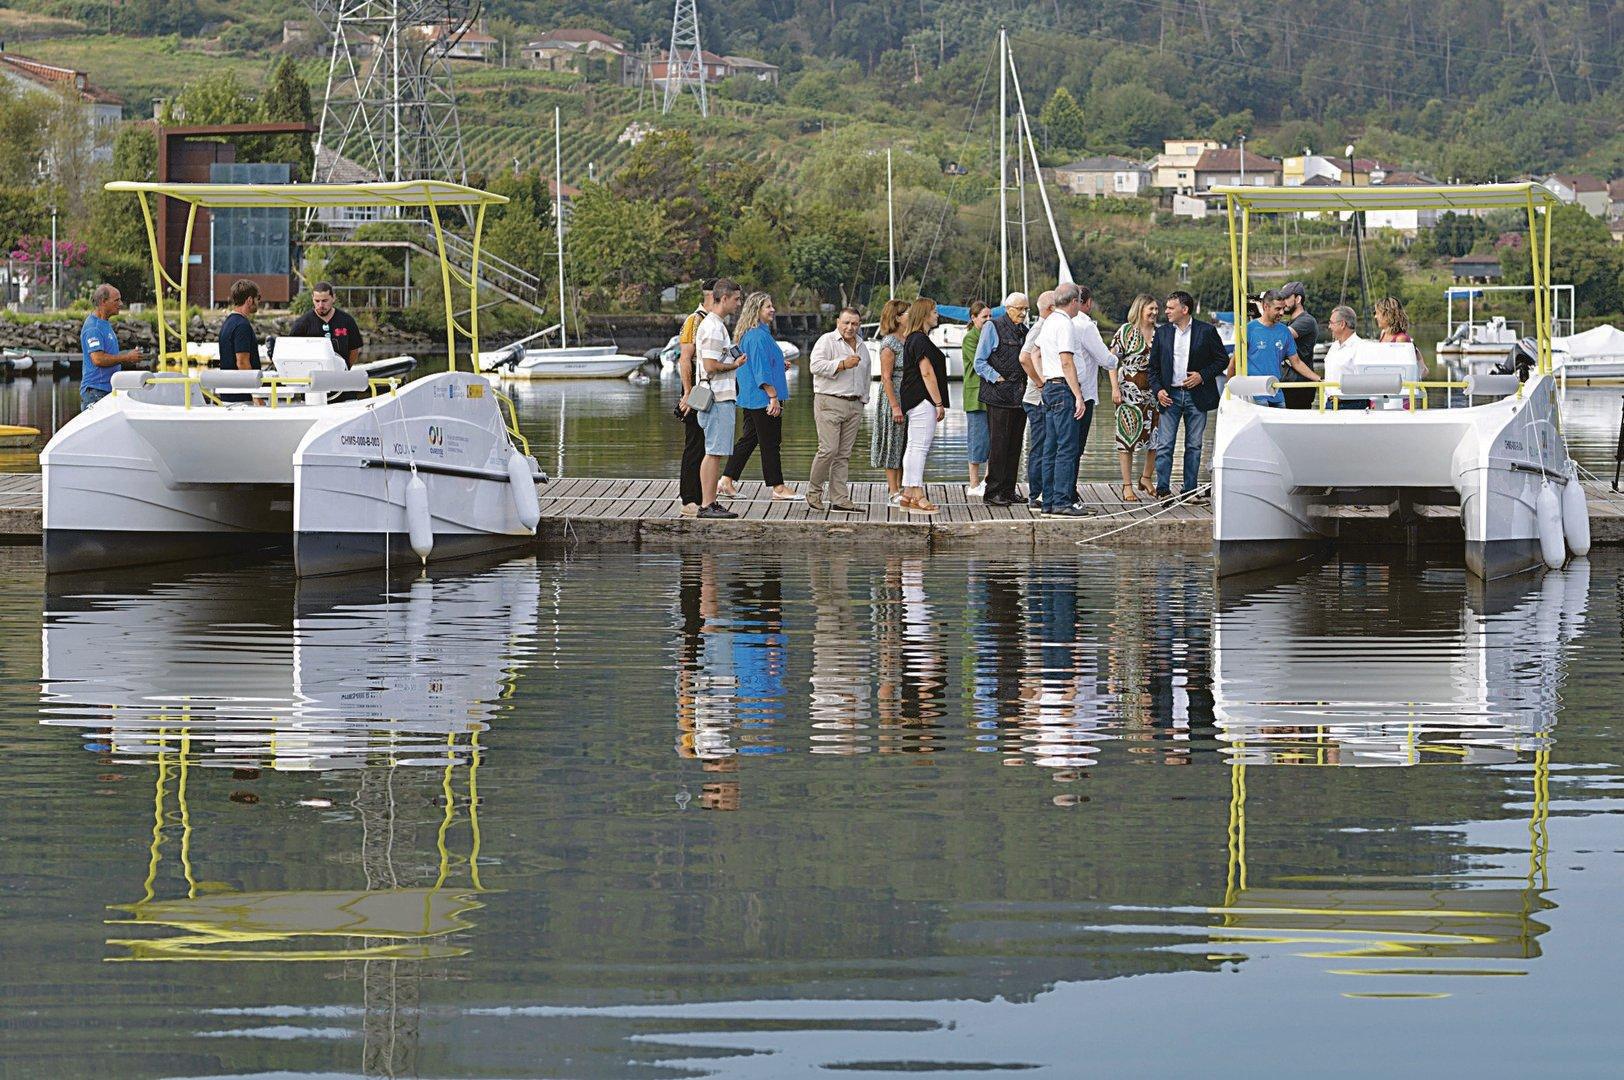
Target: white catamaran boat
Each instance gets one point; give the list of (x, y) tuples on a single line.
[(517, 361), (1503, 462), (357, 473)]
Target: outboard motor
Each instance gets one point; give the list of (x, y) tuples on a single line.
[(1520, 360), (507, 358)]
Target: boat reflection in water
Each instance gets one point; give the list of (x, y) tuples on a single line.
[(1483, 690), (209, 680), (1304, 674)]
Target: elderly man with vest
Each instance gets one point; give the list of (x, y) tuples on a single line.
[(1003, 383)]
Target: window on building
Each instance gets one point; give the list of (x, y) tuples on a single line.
[(251, 241)]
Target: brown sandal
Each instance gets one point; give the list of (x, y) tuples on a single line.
[(1127, 494), (919, 505)]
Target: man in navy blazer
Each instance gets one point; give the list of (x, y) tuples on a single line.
[(1186, 359)]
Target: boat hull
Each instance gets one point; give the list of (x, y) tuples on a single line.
[(133, 482), (351, 476), (1272, 467), (574, 362)]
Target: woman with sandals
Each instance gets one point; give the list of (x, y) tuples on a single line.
[(923, 401), (1130, 393)]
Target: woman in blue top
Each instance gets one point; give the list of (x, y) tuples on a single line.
[(763, 390)]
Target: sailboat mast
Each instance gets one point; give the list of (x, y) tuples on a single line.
[(558, 227), (1003, 164), (1020, 194), (1037, 171), (890, 231)]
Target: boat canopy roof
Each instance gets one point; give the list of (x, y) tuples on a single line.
[(309, 196), (1379, 197)]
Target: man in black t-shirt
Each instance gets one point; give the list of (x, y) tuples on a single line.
[(238, 347), (326, 319), (1305, 331)]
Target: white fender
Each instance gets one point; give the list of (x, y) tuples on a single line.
[(525, 503), (1548, 516), (1575, 515), (419, 524)]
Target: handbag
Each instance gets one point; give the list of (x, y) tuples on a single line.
[(701, 397)]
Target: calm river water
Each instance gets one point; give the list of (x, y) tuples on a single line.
[(774, 815)]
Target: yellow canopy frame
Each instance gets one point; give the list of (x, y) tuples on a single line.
[(1535, 200), (432, 194)]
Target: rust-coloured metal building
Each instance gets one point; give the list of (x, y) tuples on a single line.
[(189, 154)]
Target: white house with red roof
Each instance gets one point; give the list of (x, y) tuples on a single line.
[(576, 49), (103, 110)]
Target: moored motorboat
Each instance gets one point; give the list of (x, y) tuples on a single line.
[(574, 362)]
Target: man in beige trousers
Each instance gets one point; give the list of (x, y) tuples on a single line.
[(841, 370)]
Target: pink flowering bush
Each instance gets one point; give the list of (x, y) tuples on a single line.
[(33, 253)]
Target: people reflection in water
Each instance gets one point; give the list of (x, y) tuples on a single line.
[(705, 679), (759, 656), (1067, 718), (1178, 668), (1050, 673), (730, 670), (841, 708), (921, 677)]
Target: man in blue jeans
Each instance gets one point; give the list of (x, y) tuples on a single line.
[(1037, 440), (1064, 407), (1186, 358)]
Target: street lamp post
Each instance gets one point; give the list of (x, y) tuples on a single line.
[(1243, 161), (53, 256), (1358, 223)]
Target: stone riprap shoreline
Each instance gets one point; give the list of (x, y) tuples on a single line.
[(62, 335)]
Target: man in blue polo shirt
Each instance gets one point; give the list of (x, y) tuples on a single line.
[(1270, 347), (99, 344)]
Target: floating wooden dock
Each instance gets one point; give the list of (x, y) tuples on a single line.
[(645, 513)]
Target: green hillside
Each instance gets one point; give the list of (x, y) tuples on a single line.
[(1467, 89)]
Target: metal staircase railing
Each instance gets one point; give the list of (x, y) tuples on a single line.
[(508, 279)]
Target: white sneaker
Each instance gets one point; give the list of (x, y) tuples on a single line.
[(978, 491)]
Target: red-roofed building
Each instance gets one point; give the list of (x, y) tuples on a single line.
[(577, 50), (1231, 166), (717, 68), (103, 110)]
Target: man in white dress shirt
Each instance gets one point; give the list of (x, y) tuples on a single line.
[(1037, 439), (1092, 355), (1064, 406), (1344, 344)]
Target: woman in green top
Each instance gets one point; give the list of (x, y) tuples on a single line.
[(976, 440)]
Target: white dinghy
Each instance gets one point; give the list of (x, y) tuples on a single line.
[(357, 472), (1276, 472)]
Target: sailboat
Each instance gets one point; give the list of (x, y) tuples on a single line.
[(949, 333), (563, 361)]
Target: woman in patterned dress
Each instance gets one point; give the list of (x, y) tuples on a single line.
[(889, 435), (1130, 393)]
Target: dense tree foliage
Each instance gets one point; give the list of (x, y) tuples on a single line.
[(1469, 88)]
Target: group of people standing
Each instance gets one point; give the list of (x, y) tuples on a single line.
[(1028, 383)]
